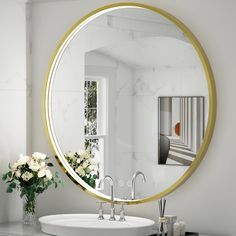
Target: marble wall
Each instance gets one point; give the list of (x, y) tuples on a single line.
[(198, 205), (14, 91), (209, 193)]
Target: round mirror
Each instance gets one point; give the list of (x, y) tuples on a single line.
[(129, 94)]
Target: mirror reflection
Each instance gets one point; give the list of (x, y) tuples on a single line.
[(111, 101)]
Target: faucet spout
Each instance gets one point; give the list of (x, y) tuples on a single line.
[(112, 194), (135, 175)]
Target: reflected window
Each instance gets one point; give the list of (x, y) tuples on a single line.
[(95, 119), (90, 111)]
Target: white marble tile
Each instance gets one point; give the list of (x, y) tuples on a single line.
[(122, 174), (124, 124), (124, 80), (12, 143), (12, 47), (68, 120), (166, 81), (69, 75), (159, 177), (145, 123)]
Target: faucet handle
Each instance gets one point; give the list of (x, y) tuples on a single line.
[(122, 212), (100, 210)]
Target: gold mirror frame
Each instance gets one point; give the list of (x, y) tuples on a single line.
[(48, 87)]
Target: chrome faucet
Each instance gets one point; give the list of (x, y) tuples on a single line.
[(122, 212), (133, 183), (110, 180)]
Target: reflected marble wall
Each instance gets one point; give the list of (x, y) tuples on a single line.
[(170, 67)]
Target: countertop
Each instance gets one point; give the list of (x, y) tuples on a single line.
[(18, 229)]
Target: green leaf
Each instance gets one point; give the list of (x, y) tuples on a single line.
[(9, 189), (4, 177), (9, 174), (95, 176), (12, 185)]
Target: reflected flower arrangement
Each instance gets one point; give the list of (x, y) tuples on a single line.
[(84, 165)]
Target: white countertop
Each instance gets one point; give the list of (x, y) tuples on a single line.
[(18, 229)]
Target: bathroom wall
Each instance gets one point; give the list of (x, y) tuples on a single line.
[(13, 95), (207, 200), (209, 194)]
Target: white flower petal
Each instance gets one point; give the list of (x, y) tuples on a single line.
[(81, 152), (42, 164), (48, 174), (41, 173), (34, 165), (85, 164), (14, 166), (80, 171), (18, 174), (39, 155), (23, 160), (27, 176)]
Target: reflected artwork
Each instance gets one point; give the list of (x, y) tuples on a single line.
[(181, 129)]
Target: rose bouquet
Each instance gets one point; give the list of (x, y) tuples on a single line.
[(84, 165), (31, 176)]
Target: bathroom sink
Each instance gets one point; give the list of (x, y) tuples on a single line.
[(89, 225)]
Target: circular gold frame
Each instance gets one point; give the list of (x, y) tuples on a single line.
[(211, 90)]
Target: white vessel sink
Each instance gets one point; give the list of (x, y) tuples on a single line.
[(89, 225)]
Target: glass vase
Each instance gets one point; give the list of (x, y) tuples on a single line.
[(29, 207)]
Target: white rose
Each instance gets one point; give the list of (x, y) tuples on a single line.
[(27, 176), (18, 174), (88, 170), (80, 171), (81, 152), (86, 156), (85, 164), (70, 155), (38, 155), (48, 174), (14, 167), (42, 164), (23, 160), (45, 172), (42, 173), (33, 165)]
